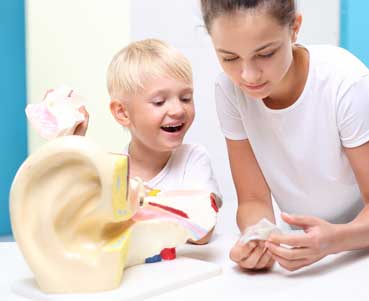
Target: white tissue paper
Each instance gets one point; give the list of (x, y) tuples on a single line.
[(58, 114), (259, 231)]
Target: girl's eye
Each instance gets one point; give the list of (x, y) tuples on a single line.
[(230, 59), (267, 55)]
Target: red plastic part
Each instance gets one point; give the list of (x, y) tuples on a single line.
[(168, 254), (213, 203), (170, 209)]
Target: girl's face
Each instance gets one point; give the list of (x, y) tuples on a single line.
[(254, 50)]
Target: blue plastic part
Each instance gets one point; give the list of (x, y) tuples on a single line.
[(155, 258)]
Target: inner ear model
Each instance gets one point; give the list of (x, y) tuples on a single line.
[(79, 221)]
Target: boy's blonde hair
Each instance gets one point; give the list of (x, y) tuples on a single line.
[(143, 60)]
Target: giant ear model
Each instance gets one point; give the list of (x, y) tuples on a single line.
[(79, 221)]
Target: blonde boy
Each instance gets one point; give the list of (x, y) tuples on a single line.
[(150, 85)]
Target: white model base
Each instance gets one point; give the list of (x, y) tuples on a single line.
[(141, 281)]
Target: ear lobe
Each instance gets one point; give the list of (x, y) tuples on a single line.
[(120, 112)]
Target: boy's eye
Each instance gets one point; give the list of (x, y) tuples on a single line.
[(230, 59), (158, 103), (186, 98)]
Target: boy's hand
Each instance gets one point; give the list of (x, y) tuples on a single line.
[(252, 255), (81, 129)]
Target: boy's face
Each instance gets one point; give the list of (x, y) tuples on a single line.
[(159, 116)]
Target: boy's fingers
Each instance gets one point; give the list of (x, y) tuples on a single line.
[(47, 92)]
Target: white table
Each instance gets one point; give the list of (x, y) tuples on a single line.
[(337, 277)]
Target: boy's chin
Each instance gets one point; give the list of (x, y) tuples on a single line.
[(172, 145)]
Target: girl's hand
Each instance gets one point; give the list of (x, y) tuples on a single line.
[(252, 255), (317, 242), (81, 129)]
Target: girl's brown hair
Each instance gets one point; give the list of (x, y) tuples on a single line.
[(283, 10)]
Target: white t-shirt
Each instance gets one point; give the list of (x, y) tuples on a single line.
[(299, 148), (189, 167)]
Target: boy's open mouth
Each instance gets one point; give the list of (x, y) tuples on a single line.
[(172, 128)]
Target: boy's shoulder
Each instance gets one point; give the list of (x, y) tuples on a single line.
[(188, 155)]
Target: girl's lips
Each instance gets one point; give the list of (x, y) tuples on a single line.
[(254, 87)]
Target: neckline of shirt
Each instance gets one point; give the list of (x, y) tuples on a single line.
[(159, 176), (301, 97)]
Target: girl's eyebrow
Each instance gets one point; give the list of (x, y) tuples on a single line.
[(256, 50), (265, 46)]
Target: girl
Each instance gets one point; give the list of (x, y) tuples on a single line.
[(296, 122)]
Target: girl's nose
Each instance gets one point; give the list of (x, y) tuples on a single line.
[(251, 74)]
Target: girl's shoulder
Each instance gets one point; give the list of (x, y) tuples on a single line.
[(335, 60), (335, 68), (225, 89)]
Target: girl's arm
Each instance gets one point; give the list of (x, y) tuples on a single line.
[(253, 193), (322, 238), (254, 203), (355, 235)]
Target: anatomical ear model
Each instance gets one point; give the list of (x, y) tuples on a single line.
[(80, 222)]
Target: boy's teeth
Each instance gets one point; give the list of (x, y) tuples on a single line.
[(172, 128)]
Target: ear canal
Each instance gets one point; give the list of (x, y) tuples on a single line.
[(70, 214)]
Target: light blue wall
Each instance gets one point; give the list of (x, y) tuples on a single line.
[(355, 28), (13, 135)]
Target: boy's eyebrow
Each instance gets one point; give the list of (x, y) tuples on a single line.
[(164, 91), (225, 51), (256, 50)]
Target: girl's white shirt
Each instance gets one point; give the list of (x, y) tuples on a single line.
[(300, 148)]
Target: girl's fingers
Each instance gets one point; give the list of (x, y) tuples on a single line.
[(264, 261), (289, 253), (241, 251), (301, 221), (293, 240), (270, 263), (251, 261), (290, 265)]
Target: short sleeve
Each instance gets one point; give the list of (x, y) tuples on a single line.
[(199, 172), (228, 113), (353, 114)]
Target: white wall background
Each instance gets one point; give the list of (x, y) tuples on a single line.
[(72, 42)]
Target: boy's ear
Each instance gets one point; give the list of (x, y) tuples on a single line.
[(119, 111)]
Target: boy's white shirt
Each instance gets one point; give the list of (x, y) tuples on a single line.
[(189, 167), (299, 148)]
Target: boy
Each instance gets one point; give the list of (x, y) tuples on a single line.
[(151, 91)]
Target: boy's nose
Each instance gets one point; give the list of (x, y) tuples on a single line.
[(176, 108)]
